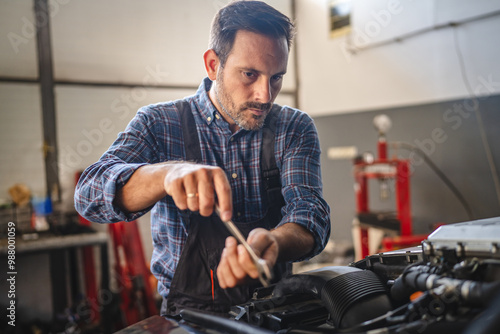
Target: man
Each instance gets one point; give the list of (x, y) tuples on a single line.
[(258, 162)]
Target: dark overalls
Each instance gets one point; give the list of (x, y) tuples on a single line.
[(195, 284)]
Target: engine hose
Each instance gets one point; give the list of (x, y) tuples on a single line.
[(488, 321), (407, 283), (473, 292)]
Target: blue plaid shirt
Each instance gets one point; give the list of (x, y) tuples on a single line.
[(155, 135)]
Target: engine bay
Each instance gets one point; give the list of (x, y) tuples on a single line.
[(449, 284)]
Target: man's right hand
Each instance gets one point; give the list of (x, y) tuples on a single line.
[(192, 186)]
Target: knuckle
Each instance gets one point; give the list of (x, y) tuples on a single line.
[(219, 172), (180, 205), (230, 281), (240, 274), (189, 178), (206, 209), (203, 174), (243, 261), (177, 184)]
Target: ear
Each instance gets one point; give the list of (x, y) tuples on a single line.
[(211, 63)]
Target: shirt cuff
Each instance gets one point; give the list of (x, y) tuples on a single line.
[(115, 179)]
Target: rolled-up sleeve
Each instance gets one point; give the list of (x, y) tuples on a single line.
[(301, 180), (97, 187)]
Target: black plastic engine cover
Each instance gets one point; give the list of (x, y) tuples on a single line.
[(350, 294)]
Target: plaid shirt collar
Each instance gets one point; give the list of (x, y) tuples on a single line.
[(206, 108)]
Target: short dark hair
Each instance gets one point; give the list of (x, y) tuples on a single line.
[(253, 16)]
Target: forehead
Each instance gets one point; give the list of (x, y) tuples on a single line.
[(252, 50)]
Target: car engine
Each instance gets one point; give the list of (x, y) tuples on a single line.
[(449, 284)]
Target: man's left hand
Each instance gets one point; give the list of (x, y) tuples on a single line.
[(236, 266)]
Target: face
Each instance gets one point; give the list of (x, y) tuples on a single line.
[(246, 87)]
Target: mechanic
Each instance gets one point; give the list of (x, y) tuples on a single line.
[(227, 145)]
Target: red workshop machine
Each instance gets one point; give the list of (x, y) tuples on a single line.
[(387, 171)]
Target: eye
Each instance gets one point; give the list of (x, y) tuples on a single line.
[(249, 75), (277, 77)]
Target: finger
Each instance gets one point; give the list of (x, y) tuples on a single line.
[(224, 273), (232, 257), (223, 191), (221, 271), (178, 193), (191, 189), (206, 192), (246, 262)]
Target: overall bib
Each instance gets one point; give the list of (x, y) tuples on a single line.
[(195, 284)]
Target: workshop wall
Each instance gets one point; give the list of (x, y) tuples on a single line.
[(418, 82), (21, 159), (422, 69)]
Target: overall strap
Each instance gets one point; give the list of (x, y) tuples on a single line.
[(190, 134), (270, 172)]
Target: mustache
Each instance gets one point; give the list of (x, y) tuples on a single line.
[(257, 105)]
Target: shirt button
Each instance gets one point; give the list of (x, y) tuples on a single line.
[(239, 214), (209, 119), (234, 175), (217, 116)]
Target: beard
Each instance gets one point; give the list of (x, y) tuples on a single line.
[(241, 114)]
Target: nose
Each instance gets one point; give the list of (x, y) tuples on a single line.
[(263, 93)]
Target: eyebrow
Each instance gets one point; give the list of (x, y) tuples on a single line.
[(249, 69)]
